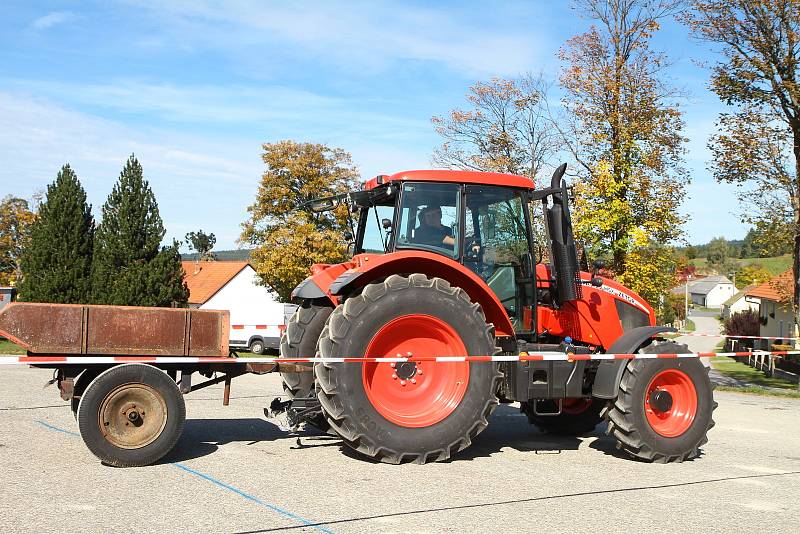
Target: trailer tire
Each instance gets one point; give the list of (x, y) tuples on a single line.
[(81, 383), (667, 429), (131, 415), (397, 414), (577, 417)]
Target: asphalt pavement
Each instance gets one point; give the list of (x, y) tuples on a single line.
[(234, 471)]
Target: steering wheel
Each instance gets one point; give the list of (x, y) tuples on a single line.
[(473, 252)]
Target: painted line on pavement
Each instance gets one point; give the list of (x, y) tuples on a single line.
[(55, 428), (251, 498), (217, 483)]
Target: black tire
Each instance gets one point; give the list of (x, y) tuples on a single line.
[(81, 383), (109, 390), (341, 390), (566, 424), (299, 340), (256, 346), (628, 424)]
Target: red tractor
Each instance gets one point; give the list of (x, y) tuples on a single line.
[(445, 264)]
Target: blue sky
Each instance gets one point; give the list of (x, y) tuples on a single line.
[(195, 87)]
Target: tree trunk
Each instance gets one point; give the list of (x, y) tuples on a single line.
[(796, 229)]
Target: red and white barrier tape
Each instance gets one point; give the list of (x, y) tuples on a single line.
[(274, 327), (545, 356), (711, 334)]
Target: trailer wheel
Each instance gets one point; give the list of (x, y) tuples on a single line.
[(664, 408), (578, 416), (408, 412), (131, 415), (81, 383)]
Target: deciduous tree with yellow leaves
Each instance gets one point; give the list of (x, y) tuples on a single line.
[(288, 240), (624, 129), (16, 219)]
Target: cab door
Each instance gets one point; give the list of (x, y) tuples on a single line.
[(497, 246)]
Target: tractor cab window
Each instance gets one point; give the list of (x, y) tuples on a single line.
[(377, 229), (429, 218), (496, 240)]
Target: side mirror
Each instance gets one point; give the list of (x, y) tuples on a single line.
[(348, 236), (386, 223)]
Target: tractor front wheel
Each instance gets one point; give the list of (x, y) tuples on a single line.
[(408, 411), (664, 407)]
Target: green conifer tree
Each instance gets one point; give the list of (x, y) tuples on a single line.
[(130, 267), (57, 262)]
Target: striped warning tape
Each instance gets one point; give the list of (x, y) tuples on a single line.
[(524, 357), (711, 334)]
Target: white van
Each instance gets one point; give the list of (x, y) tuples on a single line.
[(261, 331)]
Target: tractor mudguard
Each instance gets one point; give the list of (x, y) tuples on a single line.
[(374, 267), (609, 373), (308, 289)]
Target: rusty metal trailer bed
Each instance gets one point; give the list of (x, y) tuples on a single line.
[(129, 413)]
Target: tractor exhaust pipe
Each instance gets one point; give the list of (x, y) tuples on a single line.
[(564, 254)]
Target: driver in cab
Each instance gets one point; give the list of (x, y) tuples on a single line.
[(431, 231)]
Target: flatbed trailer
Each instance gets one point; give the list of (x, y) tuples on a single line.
[(125, 369)]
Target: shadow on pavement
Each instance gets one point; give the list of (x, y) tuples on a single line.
[(202, 437), (508, 428)]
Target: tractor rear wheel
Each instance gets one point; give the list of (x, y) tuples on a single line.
[(664, 407), (299, 340), (410, 411), (578, 416)]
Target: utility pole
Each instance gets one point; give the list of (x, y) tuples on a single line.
[(686, 300)]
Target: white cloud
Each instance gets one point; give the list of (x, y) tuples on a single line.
[(200, 180), (357, 35), (53, 18)]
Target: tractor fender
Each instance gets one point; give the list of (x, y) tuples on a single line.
[(308, 289), (609, 373), (432, 265)]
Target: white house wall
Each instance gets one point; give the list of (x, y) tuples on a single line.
[(779, 321), (248, 302), (719, 294), (744, 303)]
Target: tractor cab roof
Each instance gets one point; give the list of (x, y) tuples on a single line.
[(461, 177)]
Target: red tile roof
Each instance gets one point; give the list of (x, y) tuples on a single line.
[(205, 278), (775, 289)]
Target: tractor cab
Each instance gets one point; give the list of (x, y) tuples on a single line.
[(479, 220)]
